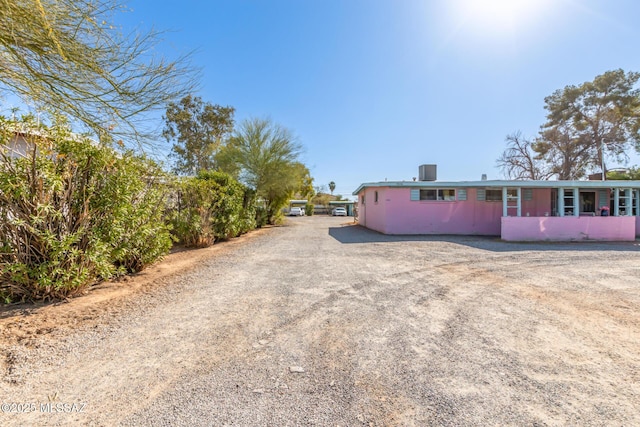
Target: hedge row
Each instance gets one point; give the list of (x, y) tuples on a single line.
[(211, 207), (73, 213)]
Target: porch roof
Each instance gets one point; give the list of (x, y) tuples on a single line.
[(501, 183)]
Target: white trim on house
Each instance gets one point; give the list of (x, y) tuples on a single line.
[(503, 183)]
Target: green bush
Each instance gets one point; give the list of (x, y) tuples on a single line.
[(308, 209), (262, 216), (72, 213), (135, 199), (211, 207)]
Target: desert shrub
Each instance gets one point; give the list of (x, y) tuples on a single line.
[(308, 209), (248, 216), (226, 204), (211, 207), (190, 215), (262, 216), (72, 213), (135, 199)]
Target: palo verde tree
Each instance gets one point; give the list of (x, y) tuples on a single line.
[(68, 57), (198, 130), (264, 156), (586, 125)]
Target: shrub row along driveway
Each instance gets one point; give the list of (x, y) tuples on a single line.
[(323, 323)]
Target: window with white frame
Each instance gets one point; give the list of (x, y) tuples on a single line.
[(625, 201), (446, 194)]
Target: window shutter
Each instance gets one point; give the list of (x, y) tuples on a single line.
[(481, 194), (603, 199), (462, 194), (415, 195)]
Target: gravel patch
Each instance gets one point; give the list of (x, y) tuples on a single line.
[(324, 323)]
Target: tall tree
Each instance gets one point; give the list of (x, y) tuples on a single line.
[(68, 56), (198, 130), (332, 186), (519, 161), (264, 156), (601, 118), (585, 125), (564, 152)]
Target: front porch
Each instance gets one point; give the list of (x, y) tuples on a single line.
[(605, 211)]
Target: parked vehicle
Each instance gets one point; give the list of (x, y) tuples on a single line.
[(296, 212), (339, 212)]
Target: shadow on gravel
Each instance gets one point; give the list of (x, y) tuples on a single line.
[(357, 234)]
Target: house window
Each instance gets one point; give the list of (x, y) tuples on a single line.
[(493, 195), (363, 199), (428, 195), (624, 201), (587, 202), (438, 194), (568, 202)]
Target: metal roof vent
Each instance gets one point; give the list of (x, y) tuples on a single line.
[(428, 172), (484, 177)]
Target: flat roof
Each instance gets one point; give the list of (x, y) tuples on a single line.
[(623, 184)]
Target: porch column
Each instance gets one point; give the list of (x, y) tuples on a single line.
[(519, 201), (504, 202), (616, 202), (560, 201), (637, 202), (628, 202), (576, 202)]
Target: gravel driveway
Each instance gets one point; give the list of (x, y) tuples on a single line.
[(323, 323)]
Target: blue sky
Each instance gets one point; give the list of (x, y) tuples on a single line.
[(374, 88)]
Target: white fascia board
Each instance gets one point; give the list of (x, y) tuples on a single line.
[(500, 184)]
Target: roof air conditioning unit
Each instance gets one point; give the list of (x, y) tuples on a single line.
[(428, 172)]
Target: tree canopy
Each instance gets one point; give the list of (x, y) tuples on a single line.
[(68, 56), (198, 130), (586, 125), (265, 156)]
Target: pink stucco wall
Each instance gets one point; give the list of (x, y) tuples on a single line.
[(539, 205), (622, 228), (396, 213)]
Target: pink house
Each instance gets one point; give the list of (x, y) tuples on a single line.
[(513, 210)]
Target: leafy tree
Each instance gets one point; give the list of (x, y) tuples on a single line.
[(332, 186), (593, 120), (306, 189), (67, 56), (564, 153), (321, 198), (519, 161), (585, 125), (264, 156), (198, 129)]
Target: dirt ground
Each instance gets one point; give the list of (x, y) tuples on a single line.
[(321, 322)]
